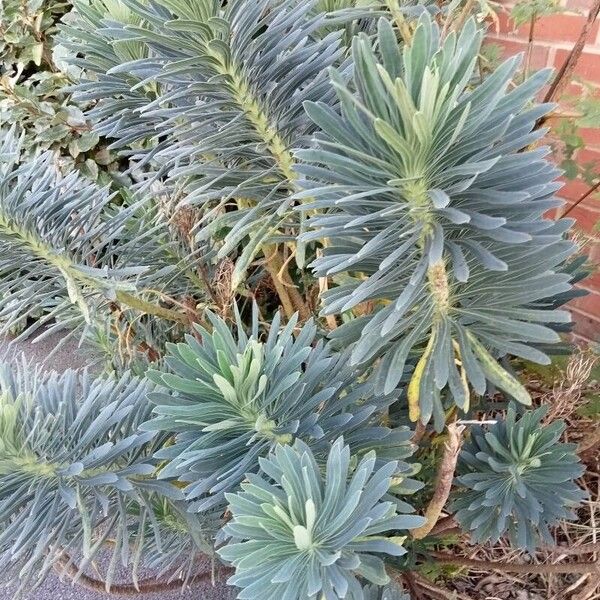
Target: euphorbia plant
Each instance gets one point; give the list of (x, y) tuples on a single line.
[(282, 159)]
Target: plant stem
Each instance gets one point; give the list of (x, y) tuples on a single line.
[(418, 584), (419, 434), (445, 476), (462, 18), (277, 147), (290, 297), (443, 525), (581, 199), (257, 116), (150, 308), (75, 278), (529, 44), (508, 567), (401, 22), (563, 77)]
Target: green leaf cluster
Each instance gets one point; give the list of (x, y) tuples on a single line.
[(270, 159), (231, 398), (517, 478), (33, 94), (308, 536)]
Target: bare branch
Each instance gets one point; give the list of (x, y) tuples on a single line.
[(563, 77), (444, 479), (508, 567)]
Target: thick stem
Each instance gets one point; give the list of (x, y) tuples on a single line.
[(419, 434), (423, 589), (445, 476), (437, 278), (462, 18), (75, 278), (441, 300), (443, 526), (508, 567), (274, 143), (277, 147), (151, 309), (417, 196), (291, 299), (400, 21)]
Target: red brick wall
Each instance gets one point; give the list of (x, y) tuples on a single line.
[(554, 36)]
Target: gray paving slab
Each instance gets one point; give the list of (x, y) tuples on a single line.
[(56, 588), (47, 350), (68, 355)]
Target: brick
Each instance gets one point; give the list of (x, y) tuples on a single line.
[(594, 251), (585, 312), (581, 5), (580, 341), (587, 217), (552, 28), (588, 304), (563, 28), (539, 54), (573, 189), (554, 35), (589, 155), (504, 23), (591, 135), (572, 91), (587, 68), (586, 326)]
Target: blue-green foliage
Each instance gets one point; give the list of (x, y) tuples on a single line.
[(259, 133), (69, 256), (211, 94), (432, 202), (74, 468), (517, 478), (392, 591), (296, 534), (229, 398)]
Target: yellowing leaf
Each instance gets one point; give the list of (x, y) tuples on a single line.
[(37, 51), (496, 374), (415, 382)]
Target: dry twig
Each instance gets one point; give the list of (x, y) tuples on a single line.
[(563, 77), (443, 484), (490, 565)]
